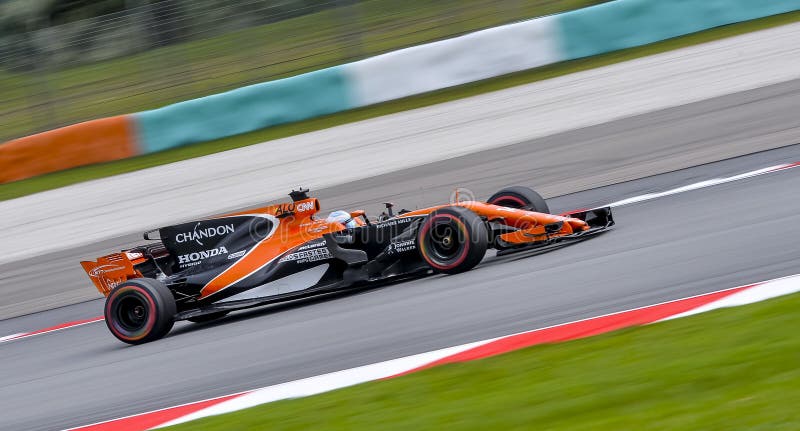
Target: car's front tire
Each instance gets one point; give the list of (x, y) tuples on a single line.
[(452, 240), (140, 310), (520, 197)]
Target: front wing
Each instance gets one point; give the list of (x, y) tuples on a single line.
[(598, 219)]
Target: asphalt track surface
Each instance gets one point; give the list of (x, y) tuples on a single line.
[(686, 244), (562, 163)]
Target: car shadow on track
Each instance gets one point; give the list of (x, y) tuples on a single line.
[(259, 311)]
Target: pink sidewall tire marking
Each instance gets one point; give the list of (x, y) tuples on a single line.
[(151, 316), (464, 250), (509, 198)]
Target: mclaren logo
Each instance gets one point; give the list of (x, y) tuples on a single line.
[(197, 235)]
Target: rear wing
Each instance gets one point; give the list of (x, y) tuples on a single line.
[(109, 271)]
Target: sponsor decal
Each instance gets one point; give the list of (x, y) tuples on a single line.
[(319, 228), (133, 255), (197, 235), (102, 269), (284, 209), (237, 255), (192, 259), (395, 222), (306, 256), (305, 206), (292, 208), (402, 246), (312, 245)]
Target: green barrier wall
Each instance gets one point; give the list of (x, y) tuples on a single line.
[(627, 23), (244, 110)]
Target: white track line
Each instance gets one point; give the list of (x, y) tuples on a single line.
[(61, 327), (757, 293), (326, 382), (11, 337), (701, 185)]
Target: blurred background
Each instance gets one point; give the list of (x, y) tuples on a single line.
[(66, 61)]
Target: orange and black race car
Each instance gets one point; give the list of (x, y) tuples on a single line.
[(201, 270)]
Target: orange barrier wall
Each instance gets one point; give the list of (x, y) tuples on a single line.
[(81, 144)]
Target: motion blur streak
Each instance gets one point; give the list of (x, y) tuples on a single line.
[(475, 56)]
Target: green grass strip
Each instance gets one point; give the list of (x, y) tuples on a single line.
[(731, 369), (72, 176)]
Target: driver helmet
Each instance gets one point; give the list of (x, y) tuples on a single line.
[(342, 217)]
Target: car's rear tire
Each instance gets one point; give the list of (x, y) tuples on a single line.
[(520, 197), (452, 240), (204, 318), (140, 310)]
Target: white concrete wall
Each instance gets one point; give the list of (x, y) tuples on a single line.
[(472, 57)]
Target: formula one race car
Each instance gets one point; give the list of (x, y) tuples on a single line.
[(201, 270)]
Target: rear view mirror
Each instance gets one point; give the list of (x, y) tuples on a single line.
[(149, 235)]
